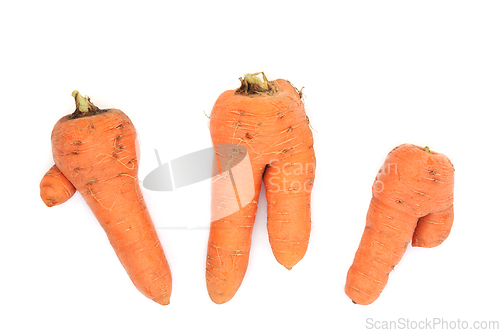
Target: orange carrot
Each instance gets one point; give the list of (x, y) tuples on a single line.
[(268, 121), (55, 188), (96, 151), (433, 228), (412, 199)]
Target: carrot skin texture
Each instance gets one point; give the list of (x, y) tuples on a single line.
[(275, 131), (98, 155), (411, 184), (55, 188)]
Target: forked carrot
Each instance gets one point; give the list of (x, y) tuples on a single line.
[(412, 200), (96, 152), (267, 119)]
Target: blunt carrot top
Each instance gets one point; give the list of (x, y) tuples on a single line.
[(268, 119), (95, 152)]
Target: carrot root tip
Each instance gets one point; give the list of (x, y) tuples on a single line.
[(49, 202), (162, 300)]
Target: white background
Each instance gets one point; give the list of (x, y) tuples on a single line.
[(376, 74)]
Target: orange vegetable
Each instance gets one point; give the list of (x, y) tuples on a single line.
[(55, 188), (96, 152), (412, 200), (268, 120)]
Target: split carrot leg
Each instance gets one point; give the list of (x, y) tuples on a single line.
[(382, 246), (55, 188), (230, 238), (433, 228), (288, 185)]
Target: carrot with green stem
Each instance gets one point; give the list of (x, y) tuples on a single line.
[(96, 153), (267, 119), (412, 202)]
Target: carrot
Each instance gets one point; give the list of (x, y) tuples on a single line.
[(55, 188), (412, 200), (96, 151), (433, 228), (267, 120)]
